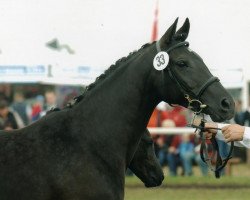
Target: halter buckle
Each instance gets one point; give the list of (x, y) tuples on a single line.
[(194, 104)]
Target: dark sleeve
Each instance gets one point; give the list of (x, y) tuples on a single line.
[(11, 121)]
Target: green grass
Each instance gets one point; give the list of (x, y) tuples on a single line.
[(195, 181), (186, 194), (196, 187)]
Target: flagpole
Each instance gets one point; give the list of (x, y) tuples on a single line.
[(154, 35)]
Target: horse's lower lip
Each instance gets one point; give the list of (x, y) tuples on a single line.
[(153, 184), (154, 181)]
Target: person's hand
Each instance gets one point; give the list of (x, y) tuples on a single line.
[(212, 131), (233, 132)]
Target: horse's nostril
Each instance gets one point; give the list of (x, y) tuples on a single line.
[(225, 103)]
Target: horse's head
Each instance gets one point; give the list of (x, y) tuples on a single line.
[(145, 164), (185, 74)]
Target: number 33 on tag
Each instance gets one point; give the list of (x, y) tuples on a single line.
[(161, 60)]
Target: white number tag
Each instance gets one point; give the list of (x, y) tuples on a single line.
[(161, 60)]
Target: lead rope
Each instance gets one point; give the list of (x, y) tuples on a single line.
[(220, 164), (204, 150)]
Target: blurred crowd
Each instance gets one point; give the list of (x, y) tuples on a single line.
[(22, 112), (178, 150)]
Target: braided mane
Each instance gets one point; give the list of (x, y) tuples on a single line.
[(100, 78), (105, 74)]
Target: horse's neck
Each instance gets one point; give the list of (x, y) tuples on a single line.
[(122, 99), (122, 105)]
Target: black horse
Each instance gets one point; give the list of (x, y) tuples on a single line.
[(83, 152), (145, 164)]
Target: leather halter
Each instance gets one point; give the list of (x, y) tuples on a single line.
[(197, 106), (194, 104)]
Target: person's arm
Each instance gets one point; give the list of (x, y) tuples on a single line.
[(239, 134), (246, 137)]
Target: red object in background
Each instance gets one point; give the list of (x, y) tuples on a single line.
[(180, 121), (159, 116), (35, 113), (153, 121), (156, 118), (154, 35), (178, 117)]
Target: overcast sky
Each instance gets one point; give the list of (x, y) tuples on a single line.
[(101, 31)]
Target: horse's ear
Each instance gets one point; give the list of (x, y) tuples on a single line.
[(169, 35), (182, 33)]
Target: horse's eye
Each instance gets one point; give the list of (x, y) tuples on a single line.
[(181, 63)]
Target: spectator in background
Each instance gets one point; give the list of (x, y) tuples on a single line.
[(173, 155), (50, 101), (167, 146), (20, 106), (9, 120), (203, 166), (175, 114), (168, 151), (5, 92), (239, 115), (186, 150), (158, 115), (68, 98), (37, 108), (189, 152), (43, 104), (163, 142), (246, 117)]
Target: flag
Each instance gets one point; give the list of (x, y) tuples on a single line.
[(55, 45), (154, 35)]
